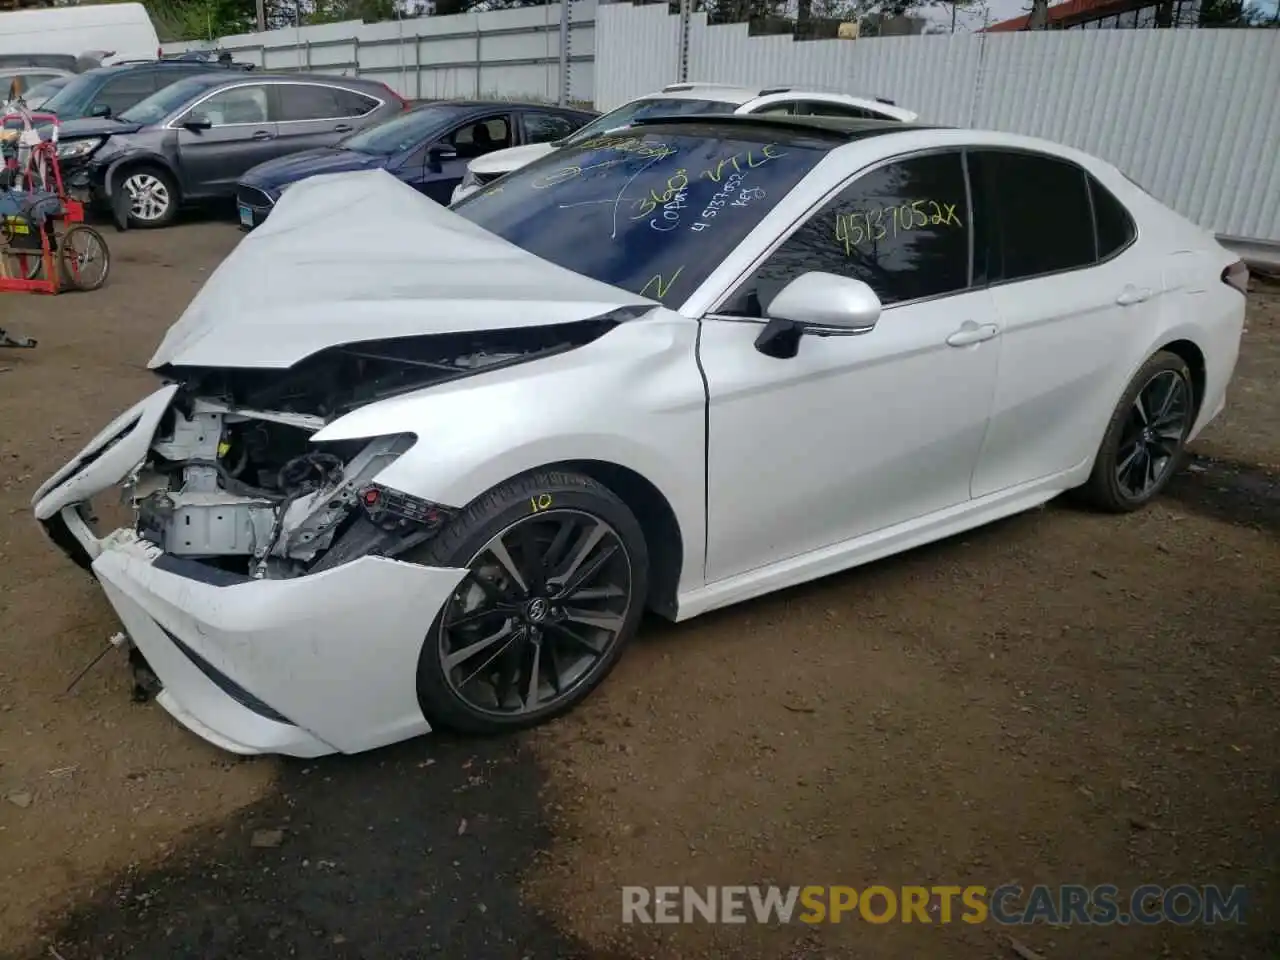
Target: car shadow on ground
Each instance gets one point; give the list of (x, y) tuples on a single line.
[(414, 851), (1230, 491)]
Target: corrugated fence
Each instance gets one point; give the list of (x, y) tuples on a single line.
[(1193, 115)]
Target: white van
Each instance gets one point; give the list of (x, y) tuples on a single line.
[(123, 31)]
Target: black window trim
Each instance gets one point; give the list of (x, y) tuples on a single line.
[(1090, 178), (732, 288), (267, 83)]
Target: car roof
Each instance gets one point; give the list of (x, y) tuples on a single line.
[(838, 129), (499, 105), (737, 94)]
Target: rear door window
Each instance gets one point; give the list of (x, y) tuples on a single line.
[(542, 127), (1040, 213), (315, 101)]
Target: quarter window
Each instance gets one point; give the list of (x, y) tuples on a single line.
[(318, 102), (818, 108), (1041, 212), (1115, 226), (546, 127), (903, 229)]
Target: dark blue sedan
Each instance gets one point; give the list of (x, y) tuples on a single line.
[(427, 147)]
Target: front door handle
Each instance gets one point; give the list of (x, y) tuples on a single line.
[(1131, 295), (971, 332), (342, 128), (264, 135)]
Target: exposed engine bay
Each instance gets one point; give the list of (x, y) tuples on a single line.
[(233, 479)]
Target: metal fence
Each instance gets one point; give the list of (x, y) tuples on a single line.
[(544, 53)]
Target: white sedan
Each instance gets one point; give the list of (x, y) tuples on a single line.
[(429, 469), (681, 99)]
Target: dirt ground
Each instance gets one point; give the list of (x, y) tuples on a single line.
[(1059, 698)]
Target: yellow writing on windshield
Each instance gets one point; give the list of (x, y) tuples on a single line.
[(876, 223), (657, 287), (752, 159)]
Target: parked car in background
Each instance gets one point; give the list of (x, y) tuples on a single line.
[(686, 98), (119, 29), (36, 97), (427, 467), (195, 138), (109, 91), (428, 148), (20, 80)]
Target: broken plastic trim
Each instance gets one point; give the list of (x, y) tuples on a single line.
[(339, 379)]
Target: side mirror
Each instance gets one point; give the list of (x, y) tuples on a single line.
[(100, 110), (197, 122), (824, 304), (437, 153)]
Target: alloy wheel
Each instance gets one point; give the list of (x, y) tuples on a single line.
[(1153, 433), (544, 603), (148, 197)]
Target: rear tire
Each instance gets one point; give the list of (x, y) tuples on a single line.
[(1145, 441), (558, 583)]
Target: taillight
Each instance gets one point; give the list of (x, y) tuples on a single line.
[(1237, 275), (404, 104)]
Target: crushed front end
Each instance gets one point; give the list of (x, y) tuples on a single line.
[(259, 578)]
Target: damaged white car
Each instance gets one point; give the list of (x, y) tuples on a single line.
[(413, 466)]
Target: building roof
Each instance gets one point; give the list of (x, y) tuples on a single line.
[(1071, 12)]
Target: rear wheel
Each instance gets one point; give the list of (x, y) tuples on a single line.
[(1146, 438), (558, 575), (84, 258)]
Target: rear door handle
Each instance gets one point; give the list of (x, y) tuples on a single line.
[(264, 135), (971, 332), (1131, 295), (342, 128)]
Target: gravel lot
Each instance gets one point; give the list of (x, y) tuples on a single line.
[(1061, 697)]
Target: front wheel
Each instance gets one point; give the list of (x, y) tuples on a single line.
[(1146, 437), (557, 581), (153, 197)]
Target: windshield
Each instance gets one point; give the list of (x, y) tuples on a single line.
[(73, 99), (652, 210), (163, 102), (41, 92), (648, 107), (401, 132)]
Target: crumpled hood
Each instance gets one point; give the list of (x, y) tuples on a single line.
[(349, 257)]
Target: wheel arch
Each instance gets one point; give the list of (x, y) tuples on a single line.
[(1193, 356), (658, 521), (139, 160)]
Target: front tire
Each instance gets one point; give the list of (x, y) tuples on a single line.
[(153, 197), (559, 574), (1146, 437)]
